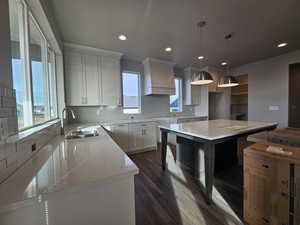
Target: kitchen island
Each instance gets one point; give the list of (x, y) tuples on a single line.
[(205, 135), (79, 181)]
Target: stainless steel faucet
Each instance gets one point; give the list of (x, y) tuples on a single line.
[(62, 129)]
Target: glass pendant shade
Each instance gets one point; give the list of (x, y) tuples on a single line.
[(228, 81), (202, 78)]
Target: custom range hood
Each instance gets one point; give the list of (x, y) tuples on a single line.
[(158, 77)]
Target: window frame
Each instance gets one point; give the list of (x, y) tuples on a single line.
[(139, 94), (180, 96), (25, 17)]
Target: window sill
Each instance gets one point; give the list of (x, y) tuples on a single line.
[(22, 134)]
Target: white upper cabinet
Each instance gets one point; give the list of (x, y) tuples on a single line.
[(93, 76), (192, 93), (158, 77), (75, 84), (111, 80)]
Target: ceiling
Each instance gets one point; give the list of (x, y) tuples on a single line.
[(152, 25)]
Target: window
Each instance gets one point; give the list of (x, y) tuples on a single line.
[(176, 100), (17, 59), (33, 68), (131, 92), (52, 84), (38, 75)]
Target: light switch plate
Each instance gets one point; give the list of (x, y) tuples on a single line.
[(273, 107)]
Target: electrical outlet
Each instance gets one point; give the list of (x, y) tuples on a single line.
[(273, 108), (3, 128)]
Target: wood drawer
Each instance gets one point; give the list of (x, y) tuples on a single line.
[(256, 161)]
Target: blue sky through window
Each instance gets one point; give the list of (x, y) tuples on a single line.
[(37, 81), (130, 90)]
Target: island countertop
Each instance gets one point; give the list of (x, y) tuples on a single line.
[(216, 129), (63, 164)]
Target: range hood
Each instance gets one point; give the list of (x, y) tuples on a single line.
[(158, 77)]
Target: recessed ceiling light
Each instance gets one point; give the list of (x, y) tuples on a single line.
[(224, 63), (200, 57), (168, 49), (282, 45), (122, 37)]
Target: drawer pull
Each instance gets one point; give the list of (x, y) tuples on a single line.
[(266, 220), (283, 194), (266, 166)]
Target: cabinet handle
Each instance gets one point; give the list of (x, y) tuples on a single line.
[(266, 220), (283, 194), (266, 166)]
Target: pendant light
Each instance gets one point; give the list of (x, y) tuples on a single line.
[(203, 77), (228, 81)]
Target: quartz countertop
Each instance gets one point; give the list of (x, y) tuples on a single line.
[(63, 164), (156, 119), (216, 129)]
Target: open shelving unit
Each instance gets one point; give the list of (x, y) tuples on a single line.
[(239, 99)]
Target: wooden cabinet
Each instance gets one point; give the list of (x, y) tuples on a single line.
[(91, 77), (259, 182), (271, 185), (297, 195), (192, 93)]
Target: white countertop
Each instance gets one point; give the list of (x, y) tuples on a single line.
[(65, 164), (156, 119), (216, 129)]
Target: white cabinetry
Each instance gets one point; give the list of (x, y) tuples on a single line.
[(142, 136), (191, 92), (75, 86), (158, 77), (92, 79), (93, 76), (111, 80), (135, 137), (120, 135)]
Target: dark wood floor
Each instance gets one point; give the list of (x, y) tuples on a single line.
[(173, 197)]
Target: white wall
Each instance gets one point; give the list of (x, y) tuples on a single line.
[(268, 85), (152, 106)]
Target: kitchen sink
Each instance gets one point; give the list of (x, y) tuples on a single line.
[(82, 133)]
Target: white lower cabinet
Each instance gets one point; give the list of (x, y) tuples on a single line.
[(149, 136), (142, 136), (120, 136), (136, 136)]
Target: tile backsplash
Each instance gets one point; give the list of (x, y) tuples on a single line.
[(15, 149), (8, 111)]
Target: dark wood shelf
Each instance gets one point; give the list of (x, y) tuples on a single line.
[(239, 93)]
